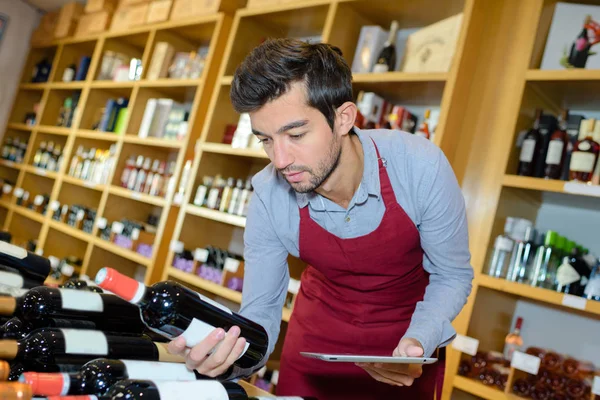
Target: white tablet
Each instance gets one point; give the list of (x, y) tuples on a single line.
[(368, 359)]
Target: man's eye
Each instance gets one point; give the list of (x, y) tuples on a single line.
[(263, 141), (297, 136)]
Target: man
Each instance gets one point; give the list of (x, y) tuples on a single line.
[(376, 214)]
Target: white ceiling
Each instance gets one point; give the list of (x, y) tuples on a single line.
[(49, 5)]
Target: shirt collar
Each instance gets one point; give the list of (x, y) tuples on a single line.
[(369, 184)]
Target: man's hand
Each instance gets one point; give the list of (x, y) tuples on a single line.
[(230, 347), (398, 374)]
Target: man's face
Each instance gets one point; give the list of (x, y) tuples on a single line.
[(297, 139)]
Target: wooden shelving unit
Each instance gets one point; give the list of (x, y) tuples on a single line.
[(110, 200)]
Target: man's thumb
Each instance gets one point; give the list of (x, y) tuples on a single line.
[(413, 351)]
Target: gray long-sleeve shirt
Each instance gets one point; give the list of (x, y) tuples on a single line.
[(427, 190)]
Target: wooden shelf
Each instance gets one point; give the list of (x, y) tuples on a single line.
[(551, 185), (167, 82), (130, 194), (19, 126), (287, 6), (152, 141), (54, 130), (563, 75), (87, 184), (479, 389), (69, 230), (11, 164), (215, 288), (534, 293), (215, 215), (40, 171), (78, 85), (227, 149), (397, 76), (29, 214), (98, 135), (5, 202), (226, 80), (404, 88), (33, 86), (122, 252), (113, 85), (575, 89)]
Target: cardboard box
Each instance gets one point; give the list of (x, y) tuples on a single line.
[(93, 23), (94, 6), (159, 11), (129, 16), (263, 3), (44, 33), (183, 9), (67, 19), (123, 3)]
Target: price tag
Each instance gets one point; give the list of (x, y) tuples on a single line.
[(294, 286), (201, 255), (176, 246), (19, 192), (596, 386), (136, 196), (80, 215), (525, 362), (574, 301), (231, 264), (41, 171), (135, 234), (582, 188), (102, 222), (465, 344), (6, 188)]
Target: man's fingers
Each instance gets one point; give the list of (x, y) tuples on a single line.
[(397, 378), (237, 351), (199, 352), (220, 355), (177, 346), (412, 370), (377, 376)]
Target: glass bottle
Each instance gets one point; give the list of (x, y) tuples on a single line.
[(521, 262), (386, 61), (423, 129), (530, 148), (503, 247), (37, 158), (585, 154), (543, 259), (557, 148), (513, 340)]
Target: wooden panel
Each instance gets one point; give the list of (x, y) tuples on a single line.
[(74, 194), (23, 229), (35, 56), (36, 184), (61, 245), (24, 104), (96, 103), (71, 55), (345, 29), (202, 232), (118, 208), (102, 258), (543, 29), (223, 114)]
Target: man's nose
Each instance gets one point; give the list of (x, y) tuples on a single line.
[(281, 156)]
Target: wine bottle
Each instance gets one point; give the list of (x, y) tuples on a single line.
[(107, 312), (386, 61), (530, 148), (80, 284), (11, 291), (98, 376), (48, 347), (172, 310), (15, 391), (513, 340), (580, 49), (557, 149), (585, 154), (522, 387), (15, 328), (11, 277), (29, 265)]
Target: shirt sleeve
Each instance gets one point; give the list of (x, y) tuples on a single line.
[(445, 242), (266, 275)]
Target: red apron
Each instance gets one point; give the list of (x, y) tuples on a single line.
[(357, 296)]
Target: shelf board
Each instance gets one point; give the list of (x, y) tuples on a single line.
[(227, 149), (87, 184), (226, 80), (78, 85), (404, 88), (69, 230), (576, 89), (398, 76), (130, 194), (33, 86), (168, 82), (29, 214), (551, 185), (534, 293), (97, 135), (54, 130), (120, 251), (113, 85), (479, 389), (152, 141), (40, 171), (215, 288), (10, 164), (5, 202), (215, 215), (563, 75), (287, 6), (19, 126)]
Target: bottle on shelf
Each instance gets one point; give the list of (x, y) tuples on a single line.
[(503, 247), (202, 191), (592, 289), (242, 209), (514, 340), (580, 49), (585, 153), (31, 266), (545, 257), (530, 148), (37, 158), (386, 60), (189, 313), (521, 261), (227, 194), (573, 274), (557, 149), (96, 377), (69, 73), (423, 129)]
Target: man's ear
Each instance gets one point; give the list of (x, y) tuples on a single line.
[(345, 116)]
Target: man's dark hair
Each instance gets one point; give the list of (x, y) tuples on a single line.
[(270, 69)]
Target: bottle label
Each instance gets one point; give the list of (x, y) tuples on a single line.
[(525, 362), (166, 371), (198, 331), (555, 151), (566, 274), (12, 250), (294, 286), (73, 299), (231, 264), (213, 197), (574, 302), (200, 195), (210, 390), (465, 344), (201, 255), (215, 304), (582, 162), (527, 150), (11, 279), (85, 342)]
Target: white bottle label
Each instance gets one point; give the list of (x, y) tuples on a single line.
[(201, 255), (19, 192), (165, 371), (12, 291), (380, 68), (574, 302), (12, 250), (210, 390), (527, 150), (11, 279), (102, 222), (73, 299), (117, 227), (38, 200), (80, 215), (6, 188), (213, 196), (54, 205), (231, 264), (525, 362), (465, 344), (555, 152), (596, 386), (582, 162), (85, 342)]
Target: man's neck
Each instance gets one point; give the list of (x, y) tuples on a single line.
[(345, 179)]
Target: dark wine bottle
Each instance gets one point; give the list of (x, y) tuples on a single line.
[(98, 376), (80, 284), (48, 347), (15, 328), (5, 236), (11, 277), (108, 312), (29, 265), (386, 61), (530, 148), (557, 149), (580, 49), (172, 310)]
